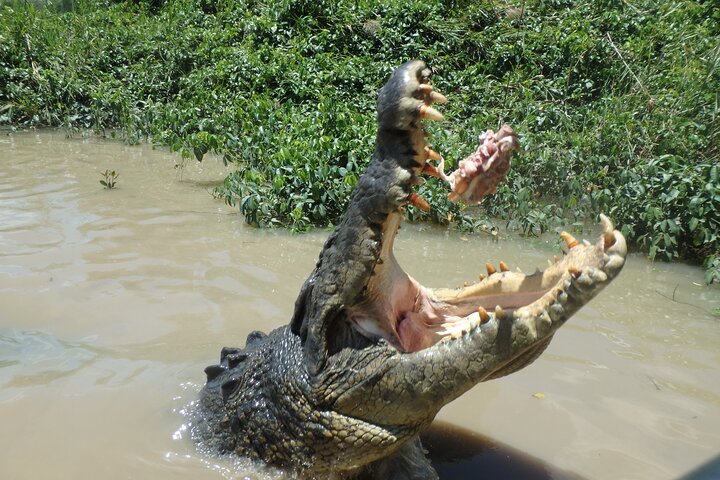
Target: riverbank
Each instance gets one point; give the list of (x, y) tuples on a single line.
[(616, 104), (114, 301)]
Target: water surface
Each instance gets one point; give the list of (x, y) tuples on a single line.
[(113, 301)]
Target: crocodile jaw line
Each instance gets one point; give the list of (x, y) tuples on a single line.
[(412, 317)]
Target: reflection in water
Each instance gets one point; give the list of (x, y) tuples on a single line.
[(113, 302)]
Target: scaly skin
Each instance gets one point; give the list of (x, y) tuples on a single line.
[(370, 356)]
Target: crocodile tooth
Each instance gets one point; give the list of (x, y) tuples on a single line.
[(430, 170), (432, 154), (606, 223), (574, 271), (556, 312), (504, 267), (425, 88), (484, 315), (562, 297), (481, 277), (419, 202), (430, 113), (490, 269), (499, 312), (438, 97), (570, 241), (213, 371), (544, 319), (584, 282)]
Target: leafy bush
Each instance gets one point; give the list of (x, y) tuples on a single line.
[(616, 103)]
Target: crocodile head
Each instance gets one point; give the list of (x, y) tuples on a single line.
[(358, 284), (371, 355)]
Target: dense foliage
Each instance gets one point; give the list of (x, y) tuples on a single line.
[(616, 102)]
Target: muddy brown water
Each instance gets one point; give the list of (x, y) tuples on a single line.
[(113, 301)]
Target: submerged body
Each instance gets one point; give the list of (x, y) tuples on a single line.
[(370, 355)]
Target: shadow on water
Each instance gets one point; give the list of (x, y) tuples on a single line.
[(460, 454), (707, 471)]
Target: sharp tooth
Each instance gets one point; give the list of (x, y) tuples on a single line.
[(484, 315), (419, 202), (490, 269), (499, 312), (430, 170), (438, 97), (556, 258), (574, 271), (586, 243), (465, 284), (504, 267), (425, 88), (556, 312), (430, 113), (481, 277), (606, 223), (562, 297), (544, 318), (432, 154), (570, 241)]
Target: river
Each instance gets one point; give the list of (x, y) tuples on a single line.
[(113, 301)]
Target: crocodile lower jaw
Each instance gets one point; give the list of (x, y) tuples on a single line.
[(412, 317)]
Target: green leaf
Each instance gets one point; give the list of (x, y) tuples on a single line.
[(199, 153)]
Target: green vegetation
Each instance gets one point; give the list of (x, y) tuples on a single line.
[(109, 178), (616, 102)]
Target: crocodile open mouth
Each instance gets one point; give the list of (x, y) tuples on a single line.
[(412, 317)]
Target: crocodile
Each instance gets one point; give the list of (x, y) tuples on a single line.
[(370, 356)]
